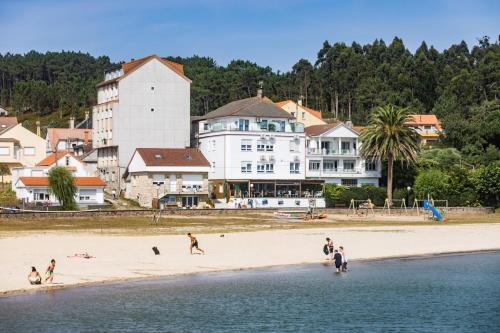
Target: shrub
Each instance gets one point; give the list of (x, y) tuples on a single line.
[(8, 198), (337, 194), (431, 182), (486, 182), (333, 192)]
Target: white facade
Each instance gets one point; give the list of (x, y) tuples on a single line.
[(243, 148), (334, 156), (86, 195), (148, 106)]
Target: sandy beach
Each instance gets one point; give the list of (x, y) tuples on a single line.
[(130, 257)]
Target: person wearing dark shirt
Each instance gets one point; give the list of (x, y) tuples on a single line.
[(338, 260)]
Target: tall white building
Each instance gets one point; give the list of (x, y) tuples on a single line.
[(333, 155), (256, 152), (145, 103)]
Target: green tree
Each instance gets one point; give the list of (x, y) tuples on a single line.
[(486, 180), (62, 185), (4, 171), (386, 138), (431, 182)]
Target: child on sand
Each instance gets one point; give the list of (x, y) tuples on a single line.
[(49, 274), (194, 243), (34, 277)]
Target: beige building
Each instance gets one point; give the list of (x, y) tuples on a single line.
[(302, 114), (427, 126), (176, 177), (19, 146)]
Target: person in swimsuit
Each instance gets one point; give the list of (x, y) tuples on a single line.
[(34, 277), (194, 243), (338, 260), (49, 274)]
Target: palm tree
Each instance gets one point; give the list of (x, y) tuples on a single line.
[(61, 184), (387, 138)]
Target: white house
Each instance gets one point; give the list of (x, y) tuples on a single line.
[(145, 103), (174, 176), (333, 155), (256, 152), (69, 139), (90, 191)]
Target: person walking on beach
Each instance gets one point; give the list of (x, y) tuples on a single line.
[(338, 260), (49, 274), (328, 249), (194, 243), (344, 259), (34, 277)]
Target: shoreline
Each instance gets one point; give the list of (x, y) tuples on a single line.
[(49, 288)]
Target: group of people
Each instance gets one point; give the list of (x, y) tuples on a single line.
[(338, 256), (35, 278)]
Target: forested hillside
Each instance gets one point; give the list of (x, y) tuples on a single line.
[(461, 85)]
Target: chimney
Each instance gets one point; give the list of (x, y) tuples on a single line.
[(85, 137), (299, 102), (38, 131), (348, 124), (86, 115), (71, 122), (259, 91)]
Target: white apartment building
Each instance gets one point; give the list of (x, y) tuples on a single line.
[(145, 103), (256, 153), (332, 155)]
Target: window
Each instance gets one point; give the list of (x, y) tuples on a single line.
[(370, 166), (152, 88), (243, 124), (294, 167), (349, 182), (269, 147), (4, 151), (349, 165), (269, 168), (29, 151), (427, 127), (346, 145), (260, 168), (213, 166), (303, 115), (67, 160), (205, 126), (261, 146), (263, 125), (158, 179), (330, 165), (246, 167), (87, 195), (212, 145), (314, 165), (158, 157), (246, 145), (293, 114)]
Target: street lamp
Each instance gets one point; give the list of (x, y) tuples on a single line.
[(408, 191)]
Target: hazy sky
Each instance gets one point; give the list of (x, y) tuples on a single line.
[(274, 33)]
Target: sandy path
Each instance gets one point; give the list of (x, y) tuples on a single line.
[(121, 257)]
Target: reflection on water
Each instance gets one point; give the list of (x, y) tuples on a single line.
[(447, 294)]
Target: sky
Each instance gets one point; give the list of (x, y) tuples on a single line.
[(271, 32)]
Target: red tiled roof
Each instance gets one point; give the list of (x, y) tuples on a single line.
[(79, 181), (172, 157), (52, 158), (424, 119), (7, 122), (54, 135)]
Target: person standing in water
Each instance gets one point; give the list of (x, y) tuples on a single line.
[(49, 274), (338, 260), (194, 243), (344, 259)]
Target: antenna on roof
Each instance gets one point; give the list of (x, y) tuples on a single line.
[(259, 91)]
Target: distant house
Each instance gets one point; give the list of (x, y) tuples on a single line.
[(427, 126), (19, 146), (90, 190), (68, 139), (174, 176), (301, 113)]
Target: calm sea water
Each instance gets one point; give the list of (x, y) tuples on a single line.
[(443, 294)]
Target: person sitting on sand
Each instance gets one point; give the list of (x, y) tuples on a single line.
[(338, 260), (49, 274), (344, 259), (194, 243), (34, 277)]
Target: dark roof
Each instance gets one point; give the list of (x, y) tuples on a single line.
[(172, 157), (249, 107)]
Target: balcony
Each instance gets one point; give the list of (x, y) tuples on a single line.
[(332, 152), (270, 127)]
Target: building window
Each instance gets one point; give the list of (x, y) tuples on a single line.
[(244, 124), (349, 165), (158, 179), (269, 168), (349, 182), (263, 124), (212, 145), (246, 167), (152, 88), (346, 145), (370, 166), (314, 165), (213, 166), (427, 127), (330, 165), (294, 167), (261, 146), (246, 145), (260, 168), (29, 151), (4, 151), (293, 114), (205, 126), (269, 147)]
